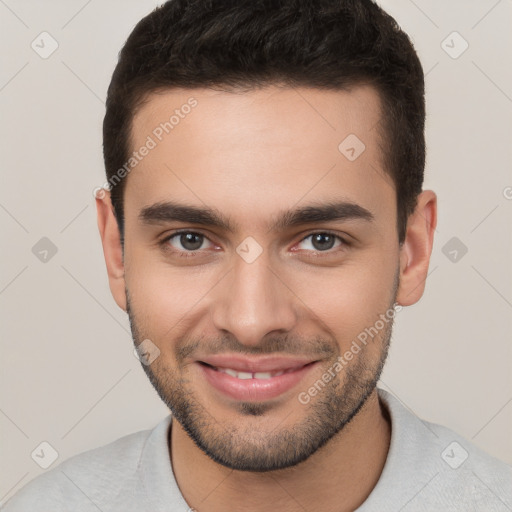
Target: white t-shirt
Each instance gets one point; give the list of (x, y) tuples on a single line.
[(428, 468)]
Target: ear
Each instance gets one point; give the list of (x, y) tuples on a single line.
[(112, 249), (416, 249)]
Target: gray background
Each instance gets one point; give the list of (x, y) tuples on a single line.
[(68, 373)]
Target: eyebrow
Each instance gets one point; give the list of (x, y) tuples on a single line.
[(169, 211)]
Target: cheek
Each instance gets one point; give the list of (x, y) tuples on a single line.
[(165, 300), (169, 302), (349, 299)]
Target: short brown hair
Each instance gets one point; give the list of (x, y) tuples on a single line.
[(226, 44)]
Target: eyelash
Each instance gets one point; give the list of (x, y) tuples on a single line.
[(188, 254)]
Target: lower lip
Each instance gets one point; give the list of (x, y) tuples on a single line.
[(254, 389)]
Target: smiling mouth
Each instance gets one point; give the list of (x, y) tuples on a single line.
[(244, 375), (255, 384)]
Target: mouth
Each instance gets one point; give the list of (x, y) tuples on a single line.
[(254, 380), (253, 375)]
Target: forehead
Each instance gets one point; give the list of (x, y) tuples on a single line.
[(259, 151)]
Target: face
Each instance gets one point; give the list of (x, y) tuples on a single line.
[(259, 248)]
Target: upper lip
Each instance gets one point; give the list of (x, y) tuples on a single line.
[(253, 365)]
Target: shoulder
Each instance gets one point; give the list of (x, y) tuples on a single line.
[(469, 473), (431, 467), (84, 481)]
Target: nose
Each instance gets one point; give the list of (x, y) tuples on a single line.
[(254, 301)]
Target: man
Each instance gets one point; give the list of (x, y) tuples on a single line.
[(265, 221)]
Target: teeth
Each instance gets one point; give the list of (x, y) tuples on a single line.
[(262, 375), (249, 375)]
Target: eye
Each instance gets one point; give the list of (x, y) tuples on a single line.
[(187, 241), (190, 242), (322, 241)]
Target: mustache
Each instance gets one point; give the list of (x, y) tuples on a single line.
[(316, 347)]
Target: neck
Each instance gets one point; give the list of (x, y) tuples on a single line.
[(336, 478)]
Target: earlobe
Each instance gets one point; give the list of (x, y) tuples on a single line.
[(417, 248), (112, 248)]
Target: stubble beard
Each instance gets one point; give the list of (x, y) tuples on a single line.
[(247, 449)]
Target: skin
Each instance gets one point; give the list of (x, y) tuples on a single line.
[(251, 156)]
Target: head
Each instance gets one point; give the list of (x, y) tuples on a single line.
[(265, 163)]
